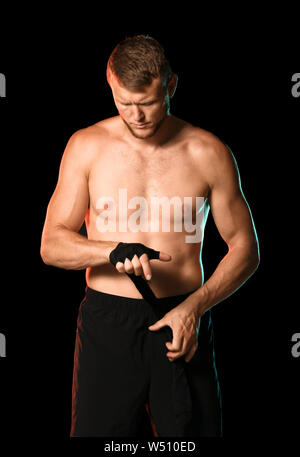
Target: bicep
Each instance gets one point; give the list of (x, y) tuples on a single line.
[(229, 208), (69, 202)]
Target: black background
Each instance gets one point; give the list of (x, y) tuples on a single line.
[(234, 82)]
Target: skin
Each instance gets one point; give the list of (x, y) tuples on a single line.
[(166, 157)]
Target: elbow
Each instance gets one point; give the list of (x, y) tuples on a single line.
[(44, 253), (249, 254), (255, 264), (254, 257)]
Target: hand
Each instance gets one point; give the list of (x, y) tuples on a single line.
[(135, 258), (140, 265), (185, 323)]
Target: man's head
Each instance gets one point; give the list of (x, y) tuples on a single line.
[(142, 84)]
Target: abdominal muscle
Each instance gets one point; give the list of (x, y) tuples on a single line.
[(180, 275)]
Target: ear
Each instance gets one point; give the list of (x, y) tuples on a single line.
[(172, 85), (108, 76)]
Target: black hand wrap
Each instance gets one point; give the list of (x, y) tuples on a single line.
[(128, 250)]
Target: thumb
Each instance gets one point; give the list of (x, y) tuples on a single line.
[(157, 325), (165, 257)]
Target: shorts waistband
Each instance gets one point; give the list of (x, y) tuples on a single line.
[(95, 295)]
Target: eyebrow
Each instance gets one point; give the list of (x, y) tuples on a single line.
[(141, 103)]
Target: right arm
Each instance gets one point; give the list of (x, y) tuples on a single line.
[(61, 245)]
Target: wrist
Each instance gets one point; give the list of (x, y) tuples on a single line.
[(106, 248)]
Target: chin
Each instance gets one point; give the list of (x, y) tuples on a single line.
[(144, 134)]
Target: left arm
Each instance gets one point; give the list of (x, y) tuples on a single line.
[(234, 222)]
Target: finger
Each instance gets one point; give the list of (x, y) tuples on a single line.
[(138, 270), (158, 325), (146, 266), (173, 355), (164, 257), (177, 343), (188, 351), (190, 354), (120, 267), (128, 266)]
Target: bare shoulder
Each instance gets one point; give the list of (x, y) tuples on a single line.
[(205, 145), (213, 157), (89, 138), (86, 143)]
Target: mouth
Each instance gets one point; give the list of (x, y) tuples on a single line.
[(140, 126)]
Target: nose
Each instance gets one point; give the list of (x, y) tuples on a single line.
[(137, 114)]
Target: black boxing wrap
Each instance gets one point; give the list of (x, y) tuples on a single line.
[(128, 250)]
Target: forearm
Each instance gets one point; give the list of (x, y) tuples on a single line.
[(67, 249), (233, 270)]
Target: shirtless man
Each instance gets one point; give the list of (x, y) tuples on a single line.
[(131, 354)]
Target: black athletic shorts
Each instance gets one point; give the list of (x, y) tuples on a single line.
[(122, 374)]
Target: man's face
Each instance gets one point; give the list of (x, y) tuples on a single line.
[(142, 111)]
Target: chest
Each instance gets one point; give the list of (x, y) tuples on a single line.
[(161, 175)]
